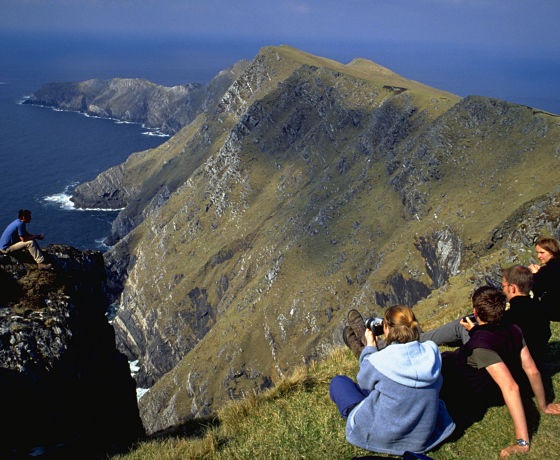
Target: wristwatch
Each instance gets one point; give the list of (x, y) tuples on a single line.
[(522, 443)]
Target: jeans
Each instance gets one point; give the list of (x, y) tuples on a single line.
[(346, 394)]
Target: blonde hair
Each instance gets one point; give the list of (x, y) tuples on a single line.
[(402, 325)]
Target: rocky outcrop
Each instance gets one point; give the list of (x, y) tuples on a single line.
[(127, 186), (64, 388), (134, 100)]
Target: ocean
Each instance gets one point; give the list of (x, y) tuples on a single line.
[(45, 153)]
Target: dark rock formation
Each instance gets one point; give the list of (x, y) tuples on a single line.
[(64, 388)]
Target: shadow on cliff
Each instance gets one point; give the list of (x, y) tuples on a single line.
[(65, 390)]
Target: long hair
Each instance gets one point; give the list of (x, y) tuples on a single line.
[(550, 245), (402, 324)]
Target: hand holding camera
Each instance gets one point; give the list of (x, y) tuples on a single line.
[(375, 325), (468, 322)]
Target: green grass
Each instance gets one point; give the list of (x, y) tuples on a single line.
[(297, 420)]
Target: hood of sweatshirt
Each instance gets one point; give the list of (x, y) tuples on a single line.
[(413, 364)]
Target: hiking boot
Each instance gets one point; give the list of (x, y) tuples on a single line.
[(356, 322), (352, 341), (44, 266)]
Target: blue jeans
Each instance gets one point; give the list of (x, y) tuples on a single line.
[(346, 394)]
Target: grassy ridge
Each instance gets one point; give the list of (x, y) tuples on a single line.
[(297, 419)]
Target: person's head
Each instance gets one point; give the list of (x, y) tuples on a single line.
[(547, 248), (516, 280), (489, 304), (24, 215), (400, 325)]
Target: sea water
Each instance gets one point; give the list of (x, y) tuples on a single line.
[(44, 153)]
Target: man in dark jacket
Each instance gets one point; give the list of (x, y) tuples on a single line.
[(525, 311)]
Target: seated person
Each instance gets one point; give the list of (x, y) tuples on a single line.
[(547, 276), (394, 406), (16, 237), (485, 371), (523, 310)]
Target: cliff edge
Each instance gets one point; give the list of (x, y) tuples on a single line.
[(64, 388)]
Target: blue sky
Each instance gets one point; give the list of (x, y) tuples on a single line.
[(529, 26), (508, 49)]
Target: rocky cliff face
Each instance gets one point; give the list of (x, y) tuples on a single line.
[(167, 109), (64, 386), (313, 187)]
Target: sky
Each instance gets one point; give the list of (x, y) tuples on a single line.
[(528, 26), (453, 45)]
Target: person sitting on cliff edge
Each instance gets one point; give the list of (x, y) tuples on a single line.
[(16, 237)]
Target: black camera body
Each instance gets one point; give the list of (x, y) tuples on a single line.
[(375, 325), (471, 317)]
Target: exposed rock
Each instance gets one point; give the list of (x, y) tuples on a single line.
[(442, 253), (64, 386), (167, 109)]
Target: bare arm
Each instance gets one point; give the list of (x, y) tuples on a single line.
[(510, 391), (535, 380), (29, 237)]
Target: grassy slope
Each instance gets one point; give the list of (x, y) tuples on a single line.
[(296, 419)]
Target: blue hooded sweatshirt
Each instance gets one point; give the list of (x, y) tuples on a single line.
[(403, 412)]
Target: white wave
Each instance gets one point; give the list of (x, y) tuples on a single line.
[(134, 368), (64, 201), (101, 244), (155, 133), (23, 99)]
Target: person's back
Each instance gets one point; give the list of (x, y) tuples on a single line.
[(464, 369), (10, 234), (530, 316), (404, 405), (395, 405)]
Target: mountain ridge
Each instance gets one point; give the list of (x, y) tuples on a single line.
[(309, 188)]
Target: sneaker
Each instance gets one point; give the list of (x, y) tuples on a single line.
[(44, 266), (356, 322), (352, 341)]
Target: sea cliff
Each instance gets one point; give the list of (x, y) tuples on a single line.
[(308, 188), (66, 391)]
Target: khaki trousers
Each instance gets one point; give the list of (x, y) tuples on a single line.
[(32, 246)]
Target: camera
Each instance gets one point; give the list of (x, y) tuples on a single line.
[(375, 325), (471, 317)]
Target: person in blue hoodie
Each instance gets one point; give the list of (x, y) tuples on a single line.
[(395, 407)]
